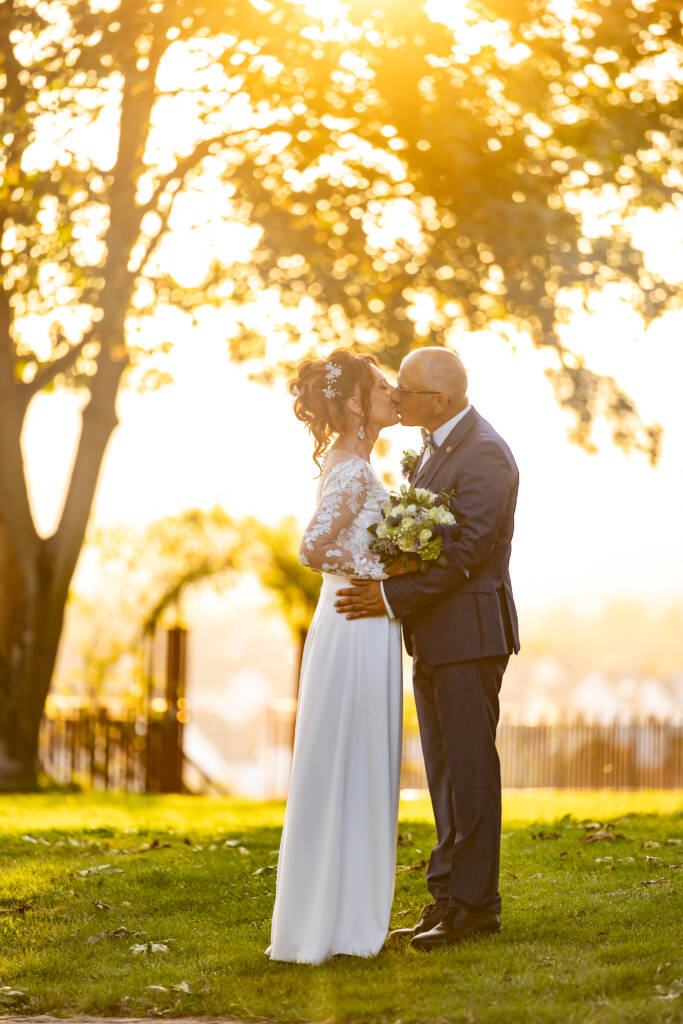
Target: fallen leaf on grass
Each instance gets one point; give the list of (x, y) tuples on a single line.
[(157, 988), (21, 908), (546, 835), (654, 881), (511, 875), (114, 933), (675, 990), (154, 845), (244, 851), (150, 947), (11, 996), (412, 867), (596, 837), (673, 842), (404, 839), (97, 868), (651, 844), (654, 860), (101, 905), (182, 986)]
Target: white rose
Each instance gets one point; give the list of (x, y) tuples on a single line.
[(425, 536), (411, 510)]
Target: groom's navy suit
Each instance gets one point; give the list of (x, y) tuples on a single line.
[(460, 625)]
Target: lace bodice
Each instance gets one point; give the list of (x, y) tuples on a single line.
[(336, 540)]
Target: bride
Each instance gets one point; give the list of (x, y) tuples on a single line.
[(335, 878)]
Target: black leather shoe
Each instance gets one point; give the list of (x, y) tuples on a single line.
[(457, 924), (432, 914)]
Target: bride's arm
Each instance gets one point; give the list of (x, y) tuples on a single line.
[(323, 545)]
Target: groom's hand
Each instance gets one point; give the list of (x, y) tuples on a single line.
[(362, 600)]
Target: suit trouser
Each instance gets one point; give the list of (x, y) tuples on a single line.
[(457, 710)]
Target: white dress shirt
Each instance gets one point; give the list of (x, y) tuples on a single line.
[(439, 436)]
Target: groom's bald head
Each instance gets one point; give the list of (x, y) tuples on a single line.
[(435, 369)]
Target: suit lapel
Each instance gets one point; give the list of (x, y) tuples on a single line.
[(436, 461)]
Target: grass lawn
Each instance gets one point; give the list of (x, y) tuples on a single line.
[(144, 906)]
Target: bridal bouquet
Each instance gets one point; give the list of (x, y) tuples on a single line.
[(412, 526)]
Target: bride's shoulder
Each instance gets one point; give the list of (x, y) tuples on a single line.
[(344, 466)]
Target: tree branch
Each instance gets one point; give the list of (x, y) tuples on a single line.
[(184, 166), (48, 371)]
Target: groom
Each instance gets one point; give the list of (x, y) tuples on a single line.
[(460, 625)]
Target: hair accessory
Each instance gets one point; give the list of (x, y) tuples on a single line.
[(332, 374)]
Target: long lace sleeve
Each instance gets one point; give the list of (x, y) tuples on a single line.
[(335, 540)]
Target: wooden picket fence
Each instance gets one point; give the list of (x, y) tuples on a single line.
[(576, 754), (95, 749), (99, 751)]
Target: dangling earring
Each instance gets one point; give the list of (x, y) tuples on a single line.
[(361, 432)]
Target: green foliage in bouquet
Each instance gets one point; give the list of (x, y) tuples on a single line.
[(411, 527)]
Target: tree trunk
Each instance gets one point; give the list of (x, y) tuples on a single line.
[(34, 585), (30, 627)]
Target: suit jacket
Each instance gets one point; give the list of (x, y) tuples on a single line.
[(465, 610)]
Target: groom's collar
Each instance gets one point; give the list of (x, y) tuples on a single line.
[(465, 421), (442, 432)]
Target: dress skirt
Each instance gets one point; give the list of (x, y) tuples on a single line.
[(336, 869)]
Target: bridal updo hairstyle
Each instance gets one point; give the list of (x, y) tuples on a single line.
[(340, 374)]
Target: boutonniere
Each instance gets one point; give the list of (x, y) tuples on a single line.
[(409, 461)]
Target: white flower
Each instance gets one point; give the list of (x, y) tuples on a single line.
[(411, 510), (425, 536)]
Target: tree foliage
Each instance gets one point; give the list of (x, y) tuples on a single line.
[(146, 575), (385, 168)]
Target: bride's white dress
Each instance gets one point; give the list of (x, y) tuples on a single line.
[(336, 870)]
